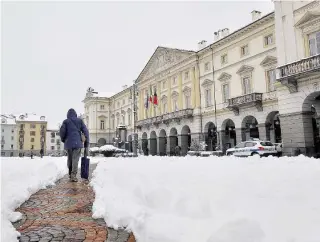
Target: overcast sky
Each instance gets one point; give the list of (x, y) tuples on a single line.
[(53, 51)]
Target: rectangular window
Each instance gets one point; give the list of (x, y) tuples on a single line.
[(12, 137), (164, 84), (53, 134), (32, 147), (246, 85), (207, 66), (52, 140), (224, 59), (225, 92), (12, 131), (268, 40), (174, 82), (2, 130), (2, 146), (271, 78), (101, 107), (175, 105), (186, 75), (244, 50), (32, 133), (11, 154), (314, 43), (11, 146), (208, 97), (32, 126), (52, 147), (187, 101), (101, 124), (164, 107), (129, 118)]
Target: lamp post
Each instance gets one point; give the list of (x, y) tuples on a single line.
[(135, 135), (96, 116)]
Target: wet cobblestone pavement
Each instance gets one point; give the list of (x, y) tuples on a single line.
[(63, 213)]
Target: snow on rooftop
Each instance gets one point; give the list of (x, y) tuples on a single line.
[(30, 117), (104, 94), (7, 119)]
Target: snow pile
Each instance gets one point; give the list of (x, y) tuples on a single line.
[(216, 199), (94, 149), (109, 148), (21, 177)]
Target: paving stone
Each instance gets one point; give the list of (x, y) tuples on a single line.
[(64, 213)]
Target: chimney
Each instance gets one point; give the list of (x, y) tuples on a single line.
[(225, 32), (124, 87), (202, 44), (216, 36), (255, 15)]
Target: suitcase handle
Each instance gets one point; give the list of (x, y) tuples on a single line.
[(85, 153)]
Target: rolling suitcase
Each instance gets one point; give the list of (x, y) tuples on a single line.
[(85, 164)]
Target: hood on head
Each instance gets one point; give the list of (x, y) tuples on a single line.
[(71, 113)]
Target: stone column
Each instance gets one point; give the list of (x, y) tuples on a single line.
[(262, 132), (223, 140), (297, 133), (240, 135)]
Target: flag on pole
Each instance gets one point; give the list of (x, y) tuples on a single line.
[(150, 98), (155, 97), (147, 101)]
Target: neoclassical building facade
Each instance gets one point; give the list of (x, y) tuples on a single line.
[(298, 51), (241, 86)]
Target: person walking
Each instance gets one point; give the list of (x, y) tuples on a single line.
[(74, 134), (41, 153)]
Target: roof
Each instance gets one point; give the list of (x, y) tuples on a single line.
[(7, 119), (236, 31), (30, 117)]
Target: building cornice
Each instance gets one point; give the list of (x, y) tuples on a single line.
[(239, 33)]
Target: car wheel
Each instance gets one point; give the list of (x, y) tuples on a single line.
[(255, 155)]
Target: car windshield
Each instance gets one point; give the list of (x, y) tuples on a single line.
[(266, 143)]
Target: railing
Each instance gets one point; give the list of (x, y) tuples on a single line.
[(184, 113), (305, 65), (245, 99)]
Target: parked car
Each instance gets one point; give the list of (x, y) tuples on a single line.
[(278, 148), (253, 147)]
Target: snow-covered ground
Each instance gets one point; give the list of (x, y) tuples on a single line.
[(215, 199), (20, 178)]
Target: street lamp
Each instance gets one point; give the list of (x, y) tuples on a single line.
[(93, 92), (135, 135)]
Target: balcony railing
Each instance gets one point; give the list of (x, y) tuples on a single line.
[(299, 67), (252, 99), (177, 115)]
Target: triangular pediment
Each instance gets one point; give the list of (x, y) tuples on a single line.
[(163, 58), (207, 82), (307, 17), (224, 76), (269, 60), (186, 89), (244, 69)]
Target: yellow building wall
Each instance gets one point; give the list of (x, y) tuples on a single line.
[(27, 143)]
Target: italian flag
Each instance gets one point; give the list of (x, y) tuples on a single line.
[(150, 98), (155, 97)]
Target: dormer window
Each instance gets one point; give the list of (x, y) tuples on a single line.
[(42, 118), (21, 117)]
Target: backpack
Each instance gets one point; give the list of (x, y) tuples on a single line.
[(82, 136)]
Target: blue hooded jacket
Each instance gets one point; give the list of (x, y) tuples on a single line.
[(70, 131)]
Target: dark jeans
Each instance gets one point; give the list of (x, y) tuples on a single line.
[(73, 160)]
